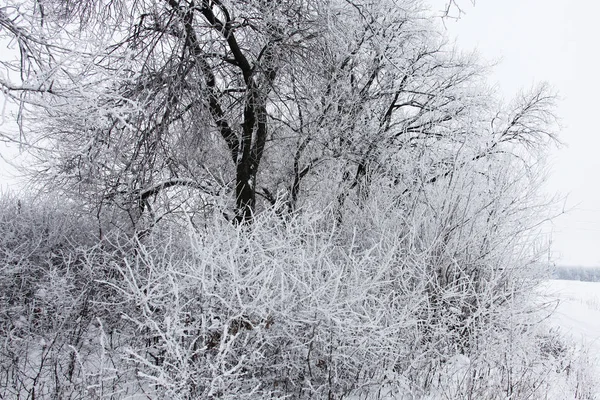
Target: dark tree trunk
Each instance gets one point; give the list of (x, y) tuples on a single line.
[(246, 147), (245, 193)]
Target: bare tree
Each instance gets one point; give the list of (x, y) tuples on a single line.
[(134, 99)]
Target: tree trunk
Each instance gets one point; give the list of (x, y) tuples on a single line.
[(245, 193)]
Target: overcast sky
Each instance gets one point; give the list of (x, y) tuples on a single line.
[(554, 41)]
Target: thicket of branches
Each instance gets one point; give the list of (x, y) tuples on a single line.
[(294, 199)]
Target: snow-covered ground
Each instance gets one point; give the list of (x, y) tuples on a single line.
[(577, 316), (578, 311)]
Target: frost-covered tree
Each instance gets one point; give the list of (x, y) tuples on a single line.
[(385, 202), (294, 101)]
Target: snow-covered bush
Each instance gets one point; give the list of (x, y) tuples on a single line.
[(429, 301), (45, 294), (393, 303)]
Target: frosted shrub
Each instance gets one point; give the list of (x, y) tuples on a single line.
[(44, 295), (395, 302), (273, 309), (380, 306)]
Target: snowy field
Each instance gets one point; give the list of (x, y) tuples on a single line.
[(577, 316), (578, 310)]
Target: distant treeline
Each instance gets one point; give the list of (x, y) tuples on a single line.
[(586, 274)]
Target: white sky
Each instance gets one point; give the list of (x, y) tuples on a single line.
[(555, 41)]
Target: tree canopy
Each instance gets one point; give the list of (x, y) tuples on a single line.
[(129, 101)]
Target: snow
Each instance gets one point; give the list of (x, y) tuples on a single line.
[(577, 317), (578, 310)]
